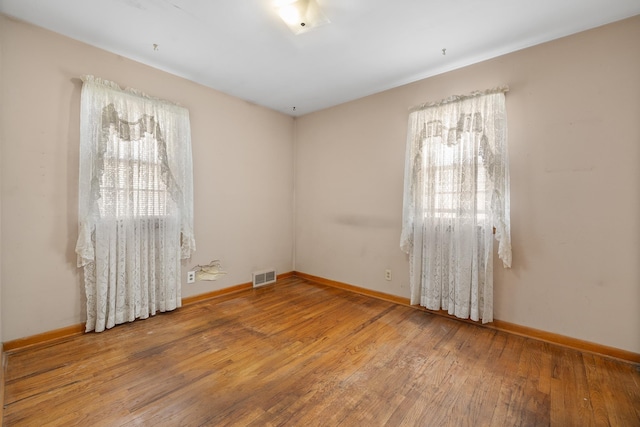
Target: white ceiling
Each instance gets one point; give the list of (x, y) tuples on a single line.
[(242, 48)]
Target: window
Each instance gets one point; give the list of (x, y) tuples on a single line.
[(135, 202), (131, 182), (448, 182), (456, 191)]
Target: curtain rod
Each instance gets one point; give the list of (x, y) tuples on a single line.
[(457, 98)]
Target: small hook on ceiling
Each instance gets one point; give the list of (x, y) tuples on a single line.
[(444, 51), (155, 46)]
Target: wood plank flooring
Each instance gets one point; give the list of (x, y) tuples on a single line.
[(301, 354)]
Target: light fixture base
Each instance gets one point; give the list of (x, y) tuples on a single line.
[(301, 16)]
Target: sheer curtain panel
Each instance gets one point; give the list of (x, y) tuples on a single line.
[(456, 195), (135, 203)]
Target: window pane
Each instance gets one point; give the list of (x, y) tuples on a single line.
[(131, 183), (450, 181)]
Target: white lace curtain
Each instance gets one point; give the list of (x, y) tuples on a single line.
[(456, 196), (135, 203)]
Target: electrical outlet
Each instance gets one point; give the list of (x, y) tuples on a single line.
[(191, 276), (387, 274)]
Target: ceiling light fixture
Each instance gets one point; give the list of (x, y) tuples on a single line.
[(301, 15)]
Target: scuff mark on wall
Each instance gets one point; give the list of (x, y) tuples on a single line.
[(356, 220)]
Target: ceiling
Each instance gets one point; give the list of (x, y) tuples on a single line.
[(242, 48)]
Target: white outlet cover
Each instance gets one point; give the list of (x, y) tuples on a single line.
[(191, 276)]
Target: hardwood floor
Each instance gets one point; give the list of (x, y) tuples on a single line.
[(304, 354)]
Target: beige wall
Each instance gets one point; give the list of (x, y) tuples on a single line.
[(242, 179), (574, 141), (574, 144), (1, 144)]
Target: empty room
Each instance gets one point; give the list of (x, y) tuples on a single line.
[(320, 212)]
